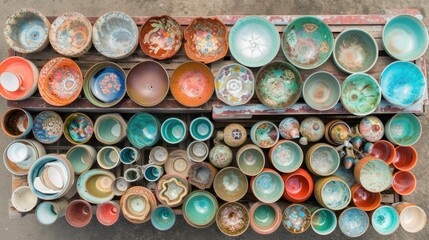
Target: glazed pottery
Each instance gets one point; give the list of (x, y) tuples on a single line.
[(384, 150), (161, 37), (402, 84), (373, 174), (264, 134), (71, 34), (360, 94), (81, 157), (371, 128), (192, 84), (201, 129), (286, 156), (200, 208), (79, 213), (16, 122), (232, 219), (220, 156), (26, 31), (172, 189), (115, 35), (18, 152), (355, 50), (411, 217), (158, 155), (143, 130), (311, 129), (201, 175), (197, 151), (138, 204), (278, 85), (337, 132), (234, 135), (133, 174), (234, 84), (346, 175), (78, 128), (60, 81), (267, 186), (23, 199), (321, 91), (405, 37), (119, 186), (265, 218), (128, 155), (49, 212), (108, 157), (147, 83), (110, 128), (206, 40), (332, 192), (364, 199), (108, 213), (19, 162), (178, 162), (163, 218), (47, 127), (289, 128), (404, 182), (298, 186), (322, 159), (230, 184), (403, 129), (95, 186), (323, 221), (153, 172), (173, 130), (406, 158), (250, 159), (296, 218), (385, 220), (353, 222), (307, 42)]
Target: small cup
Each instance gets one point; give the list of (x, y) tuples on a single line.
[(201, 129), (158, 155), (406, 158), (384, 150), (133, 174), (49, 212), (173, 130), (323, 221), (404, 182), (119, 186), (197, 151), (298, 186), (364, 199), (11, 82), (81, 157), (129, 155), (23, 199), (108, 157), (79, 213), (153, 173), (17, 123), (163, 218), (411, 217)]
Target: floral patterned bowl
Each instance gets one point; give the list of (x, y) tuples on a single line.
[(234, 84), (47, 127), (78, 128), (206, 40)]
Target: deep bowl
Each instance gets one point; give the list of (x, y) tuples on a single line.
[(230, 184), (406, 158), (321, 91), (78, 128), (110, 128), (404, 182), (199, 209), (353, 222), (403, 129), (385, 220), (94, 186), (47, 127), (299, 186), (268, 186), (322, 159), (296, 218), (232, 219), (143, 130), (265, 218), (264, 134), (21, 168), (384, 150), (286, 156), (373, 174), (163, 218), (173, 130), (201, 129), (250, 159), (332, 192), (323, 221), (16, 122), (364, 199)]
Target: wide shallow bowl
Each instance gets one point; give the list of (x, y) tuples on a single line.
[(161, 37), (406, 158), (206, 40), (286, 156), (402, 84), (405, 37), (163, 218), (296, 218), (364, 199), (264, 134), (250, 159), (403, 129), (172, 189), (173, 130), (232, 219), (94, 186), (143, 130), (78, 128), (265, 218), (278, 85), (307, 42), (16, 122), (321, 91), (322, 159), (268, 186), (355, 51), (147, 83), (404, 182), (254, 41), (230, 184), (373, 174), (332, 192), (385, 220), (299, 186), (47, 127), (323, 221), (353, 222), (360, 94), (199, 209), (234, 84)]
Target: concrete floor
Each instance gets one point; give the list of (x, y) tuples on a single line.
[(29, 228)]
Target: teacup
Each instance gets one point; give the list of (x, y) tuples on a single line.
[(153, 173), (411, 217), (406, 158), (385, 220), (404, 182), (250, 159), (110, 128), (323, 221), (197, 151), (201, 129), (173, 130), (108, 157), (163, 218), (364, 199), (23, 199), (36, 150), (158, 155), (11, 82), (17, 123), (81, 157), (128, 155), (298, 186)]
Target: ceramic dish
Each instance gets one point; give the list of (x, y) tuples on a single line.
[(296, 218), (323, 221), (94, 186), (143, 130), (322, 159), (47, 127), (234, 84), (385, 220), (199, 209), (34, 151), (289, 128), (268, 186), (265, 218), (321, 91), (299, 186), (250, 159), (230, 184), (16, 122), (371, 128), (172, 189), (138, 204), (174, 130), (264, 134), (201, 129), (110, 128), (353, 222), (163, 218), (364, 199), (78, 128), (403, 129), (373, 174), (286, 156), (232, 219), (332, 192)]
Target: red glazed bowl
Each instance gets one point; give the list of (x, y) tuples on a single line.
[(406, 158), (298, 186), (404, 182), (384, 150), (365, 200)]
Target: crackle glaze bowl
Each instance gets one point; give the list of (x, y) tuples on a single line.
[(332, 192), (143, 130), (403, 129), (199, 209), (353, 222), (321, 91), (373, 174), (234, 84), (286, 156), (230, 184)]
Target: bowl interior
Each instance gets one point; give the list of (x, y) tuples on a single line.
[(23, 199), (163, 218), (405, 129), (406, 157), (104, 84), (413, 219), (404, 182), (78, 128), (80, 159), (297, 187), (173, 130), (363, 198), (109, 129), (264, 134), (264, 216), (70, 33), (323, 221), (268, 187), (95, 186), (230, 184), (15, 122), (296, 218), (375, 176), (287, 156), (325, 160), (143, 130), (200, 208), (321, 91), (234, 84), (360, 94), (383, 150), (48, 127), (336, 194), (108, 157), (232, 219), (251, 161), (353, 222), (201, 129), (385, 220)]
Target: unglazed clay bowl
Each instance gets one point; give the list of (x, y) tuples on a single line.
[(234, 84), (278, 85), (264, 134), (332, 192), (47, 127), (385, 220), (364, 199), (355, 51), (26, 31), (94, 186), (254, 41), (143, 130), (307, 42), (405, 37), (323, 221), (404, 182), (402, 84), (322, 159), (78, 128), (373, 174), (163, 218), (265, 218), (230, 184), (232, 219), (199, 209), (321, 91), (298, 186), (384, 150), (23, 199), (16, 122), (360, 94), (406, 158), (268, 186), (161, 37), (206, 40), (173, 130), (296, 218), (115, 35), (286, 156), (192, 84), (403, 129), (353, 222), (250, 159)]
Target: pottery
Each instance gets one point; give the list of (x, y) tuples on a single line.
[(230, 184), (404, 182), (158, 155), (312, 129), (403, 129), (322, 159), (406, 158), (321, 91), (298, 186), (307, 42), (411, 217), (60, 81), (161, 37), (254, 41), (178, 162), (232, 219), (108, 157), (296, 218), (197, 151), (19, 152), (278, 85), (163, 218), (71, 34), (337, 132), (364, 199), (353, 222), (234, 84), (201, 175), (323, 221), (47, 127), (264, 134), (138, 204), (346, 175), (79, 213), (110, 128), (48, 212), (143, 130), (172, 189), (405, 37), (119, 186), (192, 84), (174, 130), (332, 192), (95, 186), (129, 155), (26, 158), (206, 40), (289, 128), (201, 129), (153, 173), (147, 83), (265, 218), (26, 31), (355, 50), (23, 199), (16, 122), (133, 174), (267, 186), (78, 128), (250, 159), (384, 150), (371, 128), (199, 209), (220, 156), (115, 35), (360, 94), (234, 135), (373, 174), (286, 156), (81, 157), (108, 213), (385, 220)]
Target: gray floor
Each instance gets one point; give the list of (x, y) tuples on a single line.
[(28, 227)]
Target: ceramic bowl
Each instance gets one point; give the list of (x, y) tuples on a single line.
[(373, 174), (81, 157), (232, 219), (384, 150), (307, 42), (250, 159), (94, 186), (403, 129), (133, 174), (161, 37), (78, 213), (332, 192), (353, 222), (152, 172), (147, 83), (178, 162), (20, 168), (47, 127), (138, 204), (278, 85), (16, 122), (119, 186), (321, 91), (286, 156), (296, 218), (411, 217), (197, 151), (402, 84), (206, 40), (143, 130), (230, 184), (108, 157), (199, 209), (110, 128), (364, 199), (406, 158), (26, 31), (337, 132), (234, 84), (289, 128), (312, 129), (158, 155), (264, 134), (360, 94), (108, 213), (192, 84), (322, 159), (405, 37), (201, 175), (174, 130), (234, 135), (201, 129), (163, 218), (355, 50), (268, 186), (404, 182), (48, 212), (323, 221), (78, 128), (265, 218), (104, 84), (371, 128), (60, 81), (23, 199), (172, 189), (385, 220), (71, 34), (298, 186), (115, 35), (254, 41), (220, 156)]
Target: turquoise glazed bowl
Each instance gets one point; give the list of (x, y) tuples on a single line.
[(199, 209), (402, 83), (163, 218), (78, 128), (385, 220), (143, 130), (403, 129), (405, 38), (278, 85), (286, 156), (353, 222), (355, 50), (307, 42), (323, 221), (265, 134), (268, 186), (173, 130), (201, 129), (254, 41), (360, 94), (321, 91)]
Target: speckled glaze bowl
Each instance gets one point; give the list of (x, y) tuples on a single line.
[(143, 130), (373, 174), (234, 135), (94, 186), (264, 134), (230, 184), (47, 127), (321, 91), (322, 159), (250, 159), (307, 42), (332, 192), (78, 128), (403, 129), (265, 218), (385, 220), (232, 219), (199, 209), (353, 222), (296, 218), (286, 156), (234, 84), (267, 186)]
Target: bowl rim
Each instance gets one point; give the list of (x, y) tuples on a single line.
[(99, 156), (402, 217), (256, 125), (29, 119), (34, 199), (237, 171), (170, 210), (331, 149), (95, 172), (332, 213), (414, 154), (206, 119), (58, 117), (414, 118), (393, 211), (199, 159), (287, 142), (305, 210), (309, 79), (174, 119), (245, 211), (365, 214), (197, 193), (245, 148), (67, 123), (378, 195), (301, 173), (379, 161), (281, 187), (411, 190), (338, 179)]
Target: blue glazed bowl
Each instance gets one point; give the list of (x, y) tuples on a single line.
[(385, 220), (201, 129), (268, 186), (405, 38), (403, 129), (78, 128), (143, 130), (296, 218), (199, 209), (47, 127), (353, 222), (321, 91), (173, 130), (402, 83), (163, 218)]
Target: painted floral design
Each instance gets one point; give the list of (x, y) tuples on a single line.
[(48, 127), (110, 84)]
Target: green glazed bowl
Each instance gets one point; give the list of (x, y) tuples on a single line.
[(199, 209), (143, 130), (268, 186), (173, 130), (163, 218), (403, 129), (250, 159), (201, 129), (321, 91), (323, 221)]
